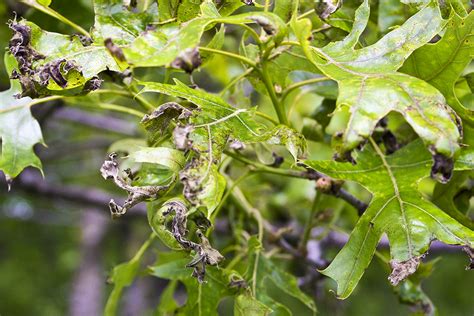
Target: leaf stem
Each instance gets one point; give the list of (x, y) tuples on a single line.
[(277, 105), (242, 202), (309, 222), (299, 84), (228, 54), (267, 117), (56, 15), (118, 108), (235, 80), (308, 174), (143, 102)]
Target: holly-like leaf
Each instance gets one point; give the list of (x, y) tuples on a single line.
[(442, 63), (370, 86), (19, 130), (160, 47), (397, 209)]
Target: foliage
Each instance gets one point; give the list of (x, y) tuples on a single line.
[(293, 78)]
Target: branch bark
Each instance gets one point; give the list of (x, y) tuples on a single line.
[(32, 182)]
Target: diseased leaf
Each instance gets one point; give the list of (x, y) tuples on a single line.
[(110, 170), (223, 121), (19, 130), (442, 63), (206, 129), (202, 298), (161, 46), (370, 86), (121, 24), (203, 184), (52, 63), (396, 209), (157, 219)]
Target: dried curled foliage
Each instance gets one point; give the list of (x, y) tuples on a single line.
[(136, 194), (401, 270), (470, 253), (205, 254), (36, 78)]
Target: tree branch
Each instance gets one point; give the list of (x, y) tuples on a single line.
[(32, 182)]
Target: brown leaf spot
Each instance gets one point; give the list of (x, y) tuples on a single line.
[(401, 270)]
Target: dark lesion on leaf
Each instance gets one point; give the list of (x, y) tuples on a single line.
[(324, 8), (55, 70), (442, 168), (265, 24), (34, 79), (470, 253), (19, 46), (114, 50), (136, 194), (188, 60), (181, 137), (205, 253), (157, 122), (403, 269)]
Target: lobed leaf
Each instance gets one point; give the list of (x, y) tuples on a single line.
[(397, 209), (161, 46), (442, 63), (370, 86), (19, 130)]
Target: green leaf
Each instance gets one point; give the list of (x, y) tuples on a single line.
[(216, 117), (442, 63), (392, 13), (121, 24), (202, 298), (19, 130), (161, 46), (444, 196), (370, 86), (167, 157), (206, 130), (122, 276), (397, 208), (167, 9), (248, 305), (168, 304), (268, 275)]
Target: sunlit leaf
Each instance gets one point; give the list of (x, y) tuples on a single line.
[(19, 130), (370, 86)]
